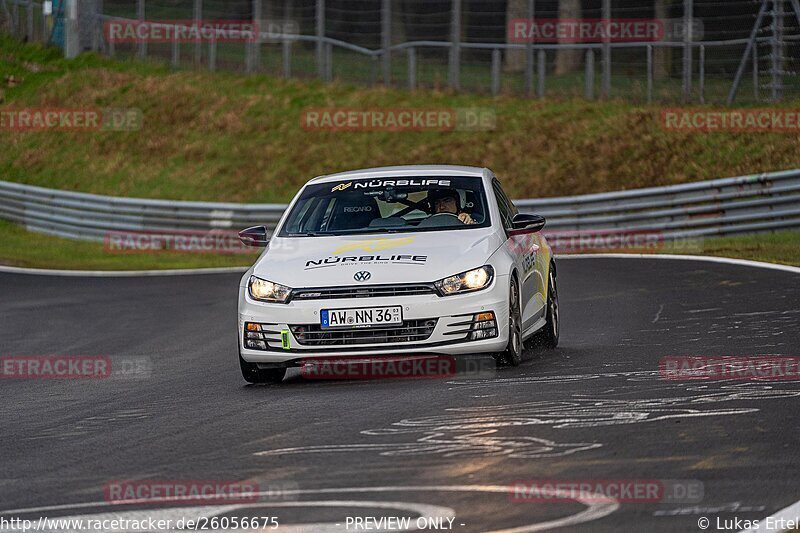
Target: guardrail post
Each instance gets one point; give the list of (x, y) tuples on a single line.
[(541, 72), (688, 7), (386, 41), (198, 16), (140, 14), (412, 68), (496, 59), (320, 17), (588, 90), (286, 49), (455, 46), (649, 74)]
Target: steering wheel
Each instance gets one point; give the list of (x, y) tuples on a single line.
[(445, 214)]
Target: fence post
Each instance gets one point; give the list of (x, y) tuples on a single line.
[(286, 48), (386, 41), (255, 55), (529, 53), (320, 36), (329, 62), (688, 7), (588, 91), (29, 15), (97, 25), (455, 46), (541, 72), (777, 50), (606, 51), (702, 74), (198, 45), (15, 19), (176, 51), (71, 36), (212, 52), (140, 15), (756, 88), (45, 25), (649, 73), (412, 68), (496, 59)]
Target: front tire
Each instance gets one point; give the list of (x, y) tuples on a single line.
[(512, 355), (252, 374)]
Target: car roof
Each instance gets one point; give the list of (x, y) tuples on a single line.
[(404, 171)]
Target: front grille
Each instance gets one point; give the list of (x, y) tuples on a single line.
[(374, 291), (408, 331)]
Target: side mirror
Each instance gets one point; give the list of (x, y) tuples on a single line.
[(255, 236), (526, 223)]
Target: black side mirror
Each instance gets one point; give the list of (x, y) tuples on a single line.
[(255, 236), (526, 223)]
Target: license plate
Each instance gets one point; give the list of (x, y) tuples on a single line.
[(369, 316)]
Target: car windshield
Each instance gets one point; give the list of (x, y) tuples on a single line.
[(388, 205)]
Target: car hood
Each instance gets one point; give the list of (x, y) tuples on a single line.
[(389, 258)]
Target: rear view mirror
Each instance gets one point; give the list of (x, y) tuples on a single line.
[(254, 236)]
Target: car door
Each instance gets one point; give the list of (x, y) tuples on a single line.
[(525, 251)]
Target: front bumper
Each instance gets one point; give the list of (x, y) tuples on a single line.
[(446, 337)]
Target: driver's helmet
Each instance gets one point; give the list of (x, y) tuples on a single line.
[(437, 194)]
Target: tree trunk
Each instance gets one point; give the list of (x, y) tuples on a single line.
[(568, 60), (661, 55), (515, 59)]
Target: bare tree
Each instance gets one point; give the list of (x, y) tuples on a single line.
[(661, 55), (515, 58), (568, 60)]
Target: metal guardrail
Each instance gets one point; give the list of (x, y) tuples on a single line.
[(744, 204)]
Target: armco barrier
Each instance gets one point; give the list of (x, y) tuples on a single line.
[(718, 207)]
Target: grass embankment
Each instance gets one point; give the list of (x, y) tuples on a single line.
[(227, 137), (239, 138)]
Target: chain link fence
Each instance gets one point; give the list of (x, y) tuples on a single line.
[(705, 51)]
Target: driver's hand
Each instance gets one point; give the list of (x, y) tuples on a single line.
[(465, 218)]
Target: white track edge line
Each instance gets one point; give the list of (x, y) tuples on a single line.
[(707, 258), (790, 516)]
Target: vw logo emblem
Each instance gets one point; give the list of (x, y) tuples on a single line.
[(362, 276)]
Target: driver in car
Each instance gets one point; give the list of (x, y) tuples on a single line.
[(448, 201)]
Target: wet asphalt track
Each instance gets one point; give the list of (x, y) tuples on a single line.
[(595, 408)]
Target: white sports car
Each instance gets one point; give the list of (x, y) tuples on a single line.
[(397, 260)]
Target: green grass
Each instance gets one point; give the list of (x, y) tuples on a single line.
[(21, 248), (229, 137)]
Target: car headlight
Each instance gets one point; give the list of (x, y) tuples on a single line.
[(267, 291), (471, 280)]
